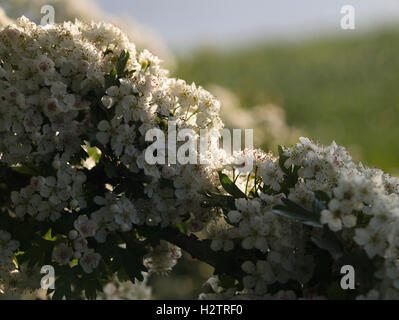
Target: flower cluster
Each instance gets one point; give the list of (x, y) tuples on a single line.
[(319, 186), (49, 197), (162, 258), (78, 92), (117, 290), (69, 89)]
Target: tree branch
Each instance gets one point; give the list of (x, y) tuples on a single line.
[(224, 262)]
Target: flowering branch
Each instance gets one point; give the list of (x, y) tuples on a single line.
[(81, 195), (224, 262)]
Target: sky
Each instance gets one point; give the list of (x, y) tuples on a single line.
[(184, 23)]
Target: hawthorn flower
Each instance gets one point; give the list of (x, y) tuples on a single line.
[(7, 245), (234, 216), (259, 276), (62, 254), (90, 260), (338, 215), (107, 130), (80, 244), (73, 234), (373, 242), (222, 244), (271, 174), (162, 258), (107, 101), (86, 228), (25, 202), (125, 214), (45, 65)]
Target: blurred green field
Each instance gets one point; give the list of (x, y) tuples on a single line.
[(338, 88)]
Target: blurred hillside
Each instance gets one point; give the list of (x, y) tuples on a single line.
[(343, 89)]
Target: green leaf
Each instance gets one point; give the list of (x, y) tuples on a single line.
[(282, 159), (49, 237), (322, 275), (226, 281), (291, 173), (293, 211), (111, 79), (320, 202), (229, 186), (131, 258), (335, 292), (63, 284), (110, 169), (25, 170), (132, 266), (122, 61), (122, 275), (37, 254), (322, 196), (63, 290), (94, 153), (218, 200), (182, 226), (91, 285), (329, 241), (318, 206)]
